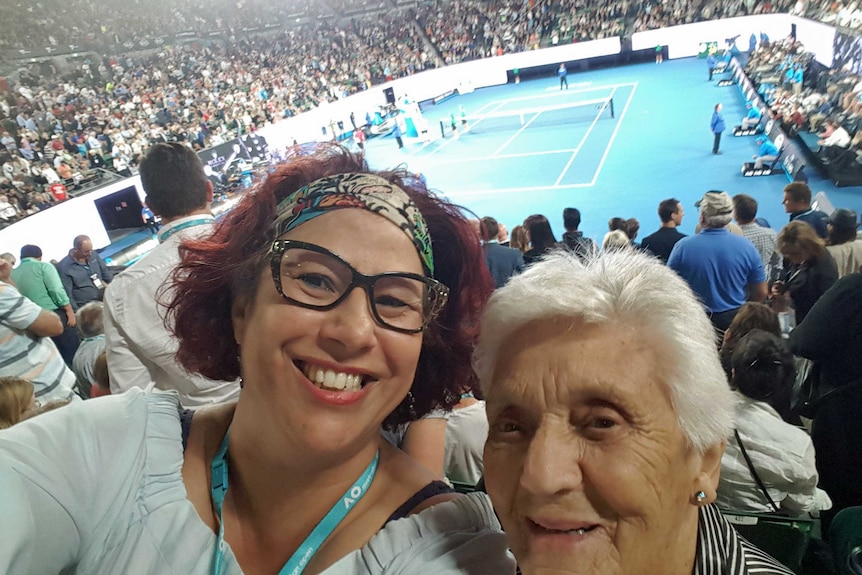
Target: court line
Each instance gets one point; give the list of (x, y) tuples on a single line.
[(453, 139), (501, 157), (429, 142), (469, 193), (614, 134), (516, 134), (569, 92), (584, 139)]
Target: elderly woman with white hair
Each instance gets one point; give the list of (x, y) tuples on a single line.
[(608, 412)]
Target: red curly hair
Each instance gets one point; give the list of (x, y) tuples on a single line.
[(216, 270)]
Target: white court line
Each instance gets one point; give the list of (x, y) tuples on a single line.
[(614, 134), (516, 134), (469, 193), (429, 142), (568, 92), (584, 139), (452, 139), (500, 157), (575, 84)]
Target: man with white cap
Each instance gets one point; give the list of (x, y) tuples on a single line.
[(723, 269)]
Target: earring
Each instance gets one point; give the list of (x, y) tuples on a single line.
[(411, 405), (700, 496)]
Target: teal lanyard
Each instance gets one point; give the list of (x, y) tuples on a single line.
[(300, 558), (171, 231)]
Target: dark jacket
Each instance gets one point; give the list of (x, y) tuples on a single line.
[(583, 247), (808, 281), (502, 262)]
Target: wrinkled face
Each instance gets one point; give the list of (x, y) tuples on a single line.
[(84, 252), (299, 364), (585, 461)]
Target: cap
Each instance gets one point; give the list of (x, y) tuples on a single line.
[(843, 219), (714, 203), (760, 140), (749, 104)]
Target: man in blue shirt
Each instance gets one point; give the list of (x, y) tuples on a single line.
[(767, 153), (752, 118), (562, 73), (716, 125), (797, 203), (84, 273), (724, 270), (711, 63)]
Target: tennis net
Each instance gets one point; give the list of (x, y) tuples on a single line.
[(536, 116)]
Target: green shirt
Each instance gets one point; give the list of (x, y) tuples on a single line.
[(40, 283)]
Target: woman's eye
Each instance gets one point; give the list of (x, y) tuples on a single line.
[(602, 423), (316, 281), (390, 301)]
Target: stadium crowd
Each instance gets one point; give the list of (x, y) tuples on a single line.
[(114, 113), (103, 114)]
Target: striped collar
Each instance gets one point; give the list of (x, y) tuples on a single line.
[(721, 551)]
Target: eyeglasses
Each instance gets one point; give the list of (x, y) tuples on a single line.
[(312, 277)]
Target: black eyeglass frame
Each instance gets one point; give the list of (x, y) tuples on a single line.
[(279, 247)]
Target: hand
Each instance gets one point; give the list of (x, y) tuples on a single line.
[(779, 289), (71, 320)]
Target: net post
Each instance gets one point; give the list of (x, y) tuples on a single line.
[(611, 101), (442, 130)]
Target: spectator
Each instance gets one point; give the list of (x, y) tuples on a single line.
[(519, 239), (27, 351), (541, 238), (843, 243), (616, 240), (661, 242), (575, 240), (502, 262), (763, 238), (797, 203), (39, 282), (633, 226), (17, 399), (140, 349), (835, 143), (84, 273), (831, 336), (723, 269), (779, 454), (91, 326), (808, 272)]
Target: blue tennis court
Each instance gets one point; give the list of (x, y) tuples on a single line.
[(570, 152)]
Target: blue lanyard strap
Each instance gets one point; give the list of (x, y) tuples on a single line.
[(171, 231), (300, 558)]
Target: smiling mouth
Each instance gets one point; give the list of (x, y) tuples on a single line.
[(331, 380), (542, 530)]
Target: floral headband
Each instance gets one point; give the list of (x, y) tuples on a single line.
[(365, 191)]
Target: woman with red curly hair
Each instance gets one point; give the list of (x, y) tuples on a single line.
[(346, 300)]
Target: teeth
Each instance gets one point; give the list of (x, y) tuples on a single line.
[(333, 380)]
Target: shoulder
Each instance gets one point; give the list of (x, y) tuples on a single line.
[(720, 550), (457, 537)]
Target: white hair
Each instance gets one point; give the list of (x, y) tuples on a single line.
[(621, 287), (718, 221)]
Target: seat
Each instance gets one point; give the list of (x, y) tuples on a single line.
[(784, 538), (845, 537)]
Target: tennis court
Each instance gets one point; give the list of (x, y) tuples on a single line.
[(553, 140), (657, 146)]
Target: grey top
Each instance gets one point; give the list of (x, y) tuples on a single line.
[(96, 487)]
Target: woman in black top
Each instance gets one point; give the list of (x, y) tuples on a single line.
[(541, 237)]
